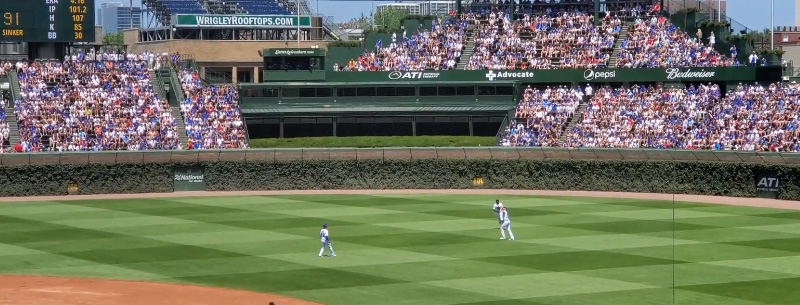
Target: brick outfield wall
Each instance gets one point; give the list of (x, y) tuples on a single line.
[(706, 178)]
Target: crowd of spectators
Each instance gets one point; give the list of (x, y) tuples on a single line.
[(88, 105), (643, 117), (3, 129), (655, 42), (435, 49), (564, 40), (538, 7), (211, 113), (754, 117), (749, 118), (5, 67), (541, 116)]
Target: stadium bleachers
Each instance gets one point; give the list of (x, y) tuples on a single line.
[(3, 127), (748, 118), (252, 7), (541, 115), (655, 42), (543, 42), (263, 7), (435, 49), (87, 105), (211, 113), (183, 6), (754, 117), (643, 117), (5, 66)]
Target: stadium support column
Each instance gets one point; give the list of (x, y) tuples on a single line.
[(280, 130), (459, 8), (596, 12)]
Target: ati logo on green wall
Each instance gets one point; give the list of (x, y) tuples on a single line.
[(413, 75), (503, 74)]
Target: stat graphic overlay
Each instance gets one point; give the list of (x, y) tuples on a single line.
[(47, 20)]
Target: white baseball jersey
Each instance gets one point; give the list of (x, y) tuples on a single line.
[(504, 216), (323, 234), (496, 207), (506, 224)]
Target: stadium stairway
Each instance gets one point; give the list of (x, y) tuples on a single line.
[(11, 115), (182, 135), (506, 121), (576, 117), (623, 33), (175, 110), (469, 48), (156, 83), (175, 87)]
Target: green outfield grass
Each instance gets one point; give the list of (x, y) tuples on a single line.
[(424, 249), (368, 142)]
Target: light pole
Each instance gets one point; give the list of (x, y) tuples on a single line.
[(131, 14), (297, 7), (772, 24)]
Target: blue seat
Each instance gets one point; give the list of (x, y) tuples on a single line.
[(263, 7), (183, 6)]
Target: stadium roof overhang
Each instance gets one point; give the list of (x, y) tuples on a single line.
[(376, 110)]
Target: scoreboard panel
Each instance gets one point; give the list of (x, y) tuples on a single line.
[(47, 20)]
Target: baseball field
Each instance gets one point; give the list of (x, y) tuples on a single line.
[(399, 249)]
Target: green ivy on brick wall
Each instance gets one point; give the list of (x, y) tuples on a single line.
[(684, 177)]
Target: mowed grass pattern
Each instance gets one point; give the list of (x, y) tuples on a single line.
[(422, 249)]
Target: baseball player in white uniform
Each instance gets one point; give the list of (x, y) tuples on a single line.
[(505, 226), (496, 208), (326, 241)]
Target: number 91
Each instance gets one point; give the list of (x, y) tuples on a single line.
[(11, 19)]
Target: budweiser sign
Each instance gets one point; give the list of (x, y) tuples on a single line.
[(675, 73)]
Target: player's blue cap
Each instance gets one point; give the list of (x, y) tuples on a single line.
[(324, 225)]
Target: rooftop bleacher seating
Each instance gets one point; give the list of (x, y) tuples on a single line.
[(263, 7), (183, 6)]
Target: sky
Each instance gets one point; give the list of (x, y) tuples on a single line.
[(753, 14)]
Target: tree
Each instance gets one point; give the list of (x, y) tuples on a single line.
[(390, 19), (113, 39)]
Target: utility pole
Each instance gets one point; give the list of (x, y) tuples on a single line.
[(297, 7)]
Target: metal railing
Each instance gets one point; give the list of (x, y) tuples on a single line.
[(399, 153)]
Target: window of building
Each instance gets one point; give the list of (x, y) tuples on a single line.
[(785, 37)]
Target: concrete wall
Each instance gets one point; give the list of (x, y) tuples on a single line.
[(219, 52)]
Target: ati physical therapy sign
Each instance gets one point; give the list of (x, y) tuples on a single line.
[(767, 184)]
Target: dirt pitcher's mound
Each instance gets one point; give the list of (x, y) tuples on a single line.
[(43, 290)]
